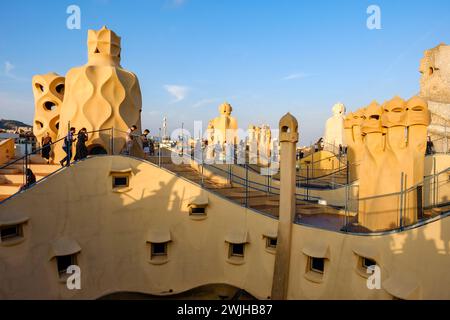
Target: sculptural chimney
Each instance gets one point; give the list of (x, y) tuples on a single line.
[(101, 95), (288, 142)]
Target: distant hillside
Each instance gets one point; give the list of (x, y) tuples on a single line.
[(12, 124)]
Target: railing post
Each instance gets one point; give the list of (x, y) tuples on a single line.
[(112, 141), (333, 179), (246, 185), (270, 183), (347, 193), (27, 154), (347, 196), (307, 182), (231, 174), (419, 195), (69, 147), (159, 154), (401, 199), (339, 162), (26, 164), (159, 147), (203, 165), (435, 196)]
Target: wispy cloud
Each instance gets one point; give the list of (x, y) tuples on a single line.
[(178, 3), (8, 67), (8, 72), (177, 91), (102, 2), (300, 75), (204, 102), (175, 3)]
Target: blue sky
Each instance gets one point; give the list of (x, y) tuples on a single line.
[(265, 57)]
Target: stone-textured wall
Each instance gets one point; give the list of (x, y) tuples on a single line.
[(435, 88)]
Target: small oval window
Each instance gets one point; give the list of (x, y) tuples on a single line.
[(49, 105)]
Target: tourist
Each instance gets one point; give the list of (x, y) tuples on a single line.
[(81, 149), (129, 138), (341, 150), (67, 147), (46, 146), (151, 145), (145, 142), (319, 145), (430, 147), (30, 179)]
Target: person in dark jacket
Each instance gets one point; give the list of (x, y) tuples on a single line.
[(81, 149), (430, 147), (30, 179), (46, 147)]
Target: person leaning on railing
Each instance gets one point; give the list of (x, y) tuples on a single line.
[(81, 149)]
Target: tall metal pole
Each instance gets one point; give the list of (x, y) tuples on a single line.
[(182, 138), (159, 148), (164, 127)]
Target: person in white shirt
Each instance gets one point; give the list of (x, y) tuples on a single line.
[(129, 138)]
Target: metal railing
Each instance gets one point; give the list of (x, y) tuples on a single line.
[(24, 165), (411, 206), (399, 210), (441, 145), (416, 204)]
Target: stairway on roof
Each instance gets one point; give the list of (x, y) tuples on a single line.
[(12, 177)]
